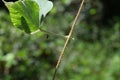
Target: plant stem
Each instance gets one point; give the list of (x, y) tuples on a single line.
[(67, 40), (52, 33), (48, 32)]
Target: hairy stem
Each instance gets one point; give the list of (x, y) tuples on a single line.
[(67, 40)]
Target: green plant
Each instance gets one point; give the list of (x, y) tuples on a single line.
[(93, 55), (21, 17), (27, 16)]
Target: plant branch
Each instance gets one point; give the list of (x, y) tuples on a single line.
[(68, 38), (48, 32)]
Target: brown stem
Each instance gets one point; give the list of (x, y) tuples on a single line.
[(67, 40)]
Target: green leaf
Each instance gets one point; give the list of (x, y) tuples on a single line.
[(27, 14), (24, 14)]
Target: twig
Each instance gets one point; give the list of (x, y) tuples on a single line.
[(48, 32), (68, 38)]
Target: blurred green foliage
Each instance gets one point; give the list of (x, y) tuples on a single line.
[(94, 54)]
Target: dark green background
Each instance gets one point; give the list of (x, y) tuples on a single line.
[(94, 54)]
